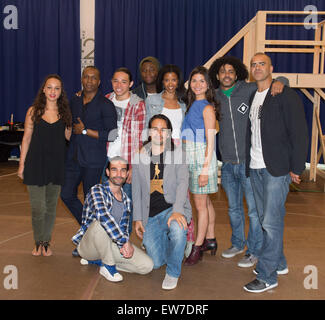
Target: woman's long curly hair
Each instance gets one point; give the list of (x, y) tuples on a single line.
[(39, 104), (210, 95), (240, 68)]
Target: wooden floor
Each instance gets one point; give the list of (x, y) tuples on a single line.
[(61, 276)]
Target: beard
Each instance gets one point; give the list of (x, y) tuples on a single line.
[(117, 181)]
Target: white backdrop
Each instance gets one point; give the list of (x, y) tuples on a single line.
[(87, 32)]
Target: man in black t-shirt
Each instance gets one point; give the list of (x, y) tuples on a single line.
[(161, 208)]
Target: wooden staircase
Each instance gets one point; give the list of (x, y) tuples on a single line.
[(254, 36)]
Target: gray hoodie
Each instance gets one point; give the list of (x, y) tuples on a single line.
[(233, 123), (234, 116)]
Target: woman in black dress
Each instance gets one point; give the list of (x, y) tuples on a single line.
[(47, 126)]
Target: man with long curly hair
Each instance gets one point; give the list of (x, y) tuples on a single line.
[(229, 75)]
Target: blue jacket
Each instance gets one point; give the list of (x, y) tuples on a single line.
[(100, 115), (155, 104)]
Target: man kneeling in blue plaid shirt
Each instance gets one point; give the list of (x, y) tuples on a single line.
[(103, 238)]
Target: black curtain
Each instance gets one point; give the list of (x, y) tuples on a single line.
[(46, 41), (190, 32)]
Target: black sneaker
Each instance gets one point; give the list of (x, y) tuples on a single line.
[(258, 286)]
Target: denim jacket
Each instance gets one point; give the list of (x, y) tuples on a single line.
[(155, 104)]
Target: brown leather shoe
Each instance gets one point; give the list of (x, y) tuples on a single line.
[(195, 256)]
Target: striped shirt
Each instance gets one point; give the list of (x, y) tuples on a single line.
[(98, 206)]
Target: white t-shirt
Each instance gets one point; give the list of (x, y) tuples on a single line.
[(114, 148), (176, 118), (256, 153)]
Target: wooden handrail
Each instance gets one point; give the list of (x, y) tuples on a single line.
[(254, 33), (296, 12), (295, 42), (231, 43)]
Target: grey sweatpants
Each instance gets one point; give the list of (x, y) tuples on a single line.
[(96, 244)]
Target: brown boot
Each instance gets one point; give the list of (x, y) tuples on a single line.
[(195, 256)]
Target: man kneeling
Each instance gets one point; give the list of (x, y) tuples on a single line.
[(161, 207), (103, 238)]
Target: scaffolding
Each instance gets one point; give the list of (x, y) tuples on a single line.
[(254, 36)]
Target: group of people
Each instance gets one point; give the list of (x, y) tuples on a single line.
[(141, 154)]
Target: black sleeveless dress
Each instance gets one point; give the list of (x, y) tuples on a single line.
[(44, 161)]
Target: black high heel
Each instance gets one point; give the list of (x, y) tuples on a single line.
[(210, 244)]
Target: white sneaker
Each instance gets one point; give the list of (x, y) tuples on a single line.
[(247, 261), (188, 248), (280, 272), (283, 271), (115, 277), (169, 282), (231, 252)]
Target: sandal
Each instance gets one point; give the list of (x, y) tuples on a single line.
[(46, 251), (37, 251)]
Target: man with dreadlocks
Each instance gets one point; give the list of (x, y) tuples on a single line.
[(229, 75)]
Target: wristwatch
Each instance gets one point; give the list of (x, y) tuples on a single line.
[(84, 131)]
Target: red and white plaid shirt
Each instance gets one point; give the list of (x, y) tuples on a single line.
[(133, 125)]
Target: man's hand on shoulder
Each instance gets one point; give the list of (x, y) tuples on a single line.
[(276, 88)]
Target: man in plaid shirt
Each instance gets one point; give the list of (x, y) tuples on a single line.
[(103, 238)]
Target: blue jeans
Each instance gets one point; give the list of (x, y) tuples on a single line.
[(165, 245), (73, 175), (236, 184), (127, 188), (270, 194)]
